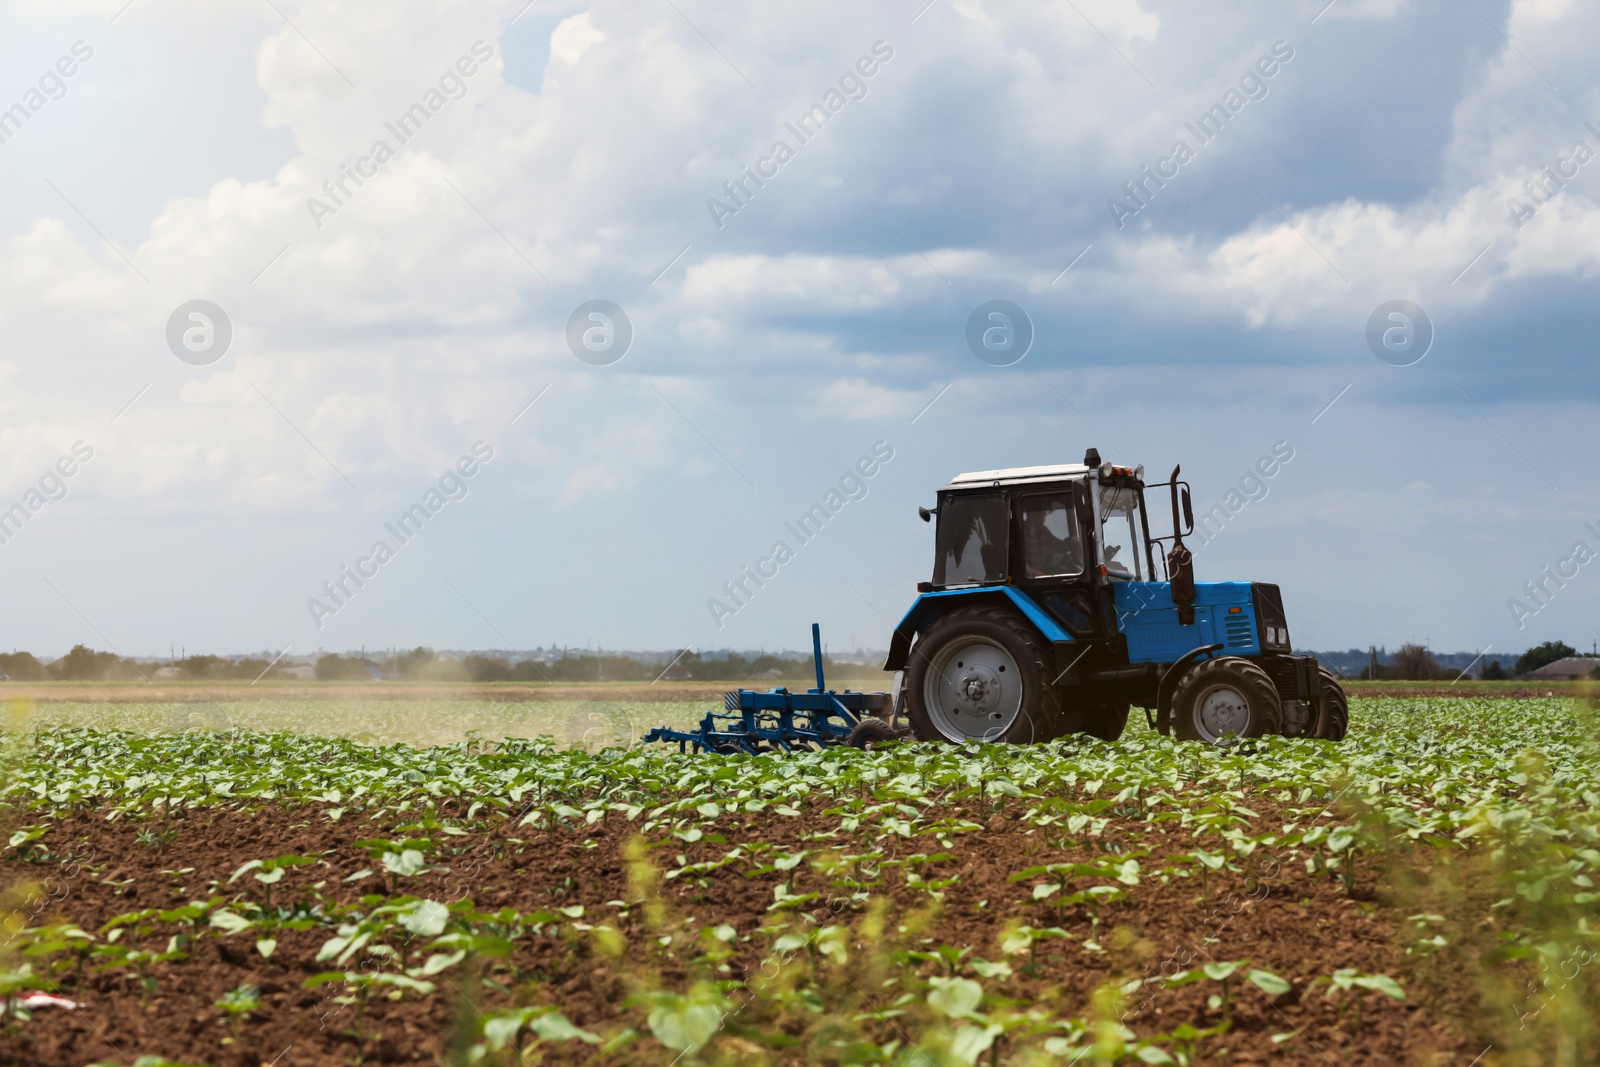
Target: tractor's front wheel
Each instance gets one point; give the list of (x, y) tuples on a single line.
[(981, 674), (1333, 721), (1222, 700)]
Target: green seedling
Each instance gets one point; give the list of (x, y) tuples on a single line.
[(1347, 983), (269, 872), (239, 1004)]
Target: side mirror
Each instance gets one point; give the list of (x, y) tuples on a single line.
[(925, 515), (1188, 510)]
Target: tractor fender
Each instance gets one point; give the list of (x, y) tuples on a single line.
[(1169, 682), (930, 607)]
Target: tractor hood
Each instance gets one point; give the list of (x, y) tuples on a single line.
[(1232, 614)]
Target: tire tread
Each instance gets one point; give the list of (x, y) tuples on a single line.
[(1335, 723), (1251, 676)]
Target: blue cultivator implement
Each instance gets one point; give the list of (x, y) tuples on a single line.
[(781, 721)]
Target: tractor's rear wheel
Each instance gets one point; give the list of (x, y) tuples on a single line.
[(1222, 700), (981, 674), (1333, 719)]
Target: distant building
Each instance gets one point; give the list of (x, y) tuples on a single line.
[(1567, 670), (168, 672), (303, 672)]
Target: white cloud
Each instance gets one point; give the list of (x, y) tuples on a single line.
[(825, 283), (1534, 13), (858, 398), (573, 37), (1365, 10)]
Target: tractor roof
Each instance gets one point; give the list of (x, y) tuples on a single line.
[(1018, 475)]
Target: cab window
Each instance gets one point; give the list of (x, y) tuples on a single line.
[(1051, 545), (971, 542), (1119, 531)]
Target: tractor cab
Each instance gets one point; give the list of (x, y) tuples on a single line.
[(1066, 534), (1040, 523), (1051, 611)]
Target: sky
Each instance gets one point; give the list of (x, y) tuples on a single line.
[(274, 273)]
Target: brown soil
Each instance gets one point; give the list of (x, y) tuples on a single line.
[(1287, 921)]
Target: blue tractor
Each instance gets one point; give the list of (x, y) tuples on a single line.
[(1052, 611)]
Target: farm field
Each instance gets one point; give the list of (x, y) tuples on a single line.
[(293, 883), (592, 723)]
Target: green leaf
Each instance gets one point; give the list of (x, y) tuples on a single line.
[(406, 982), (406, 863), (223, 919), (789, 943), (955, 997), (426, 919), (554, 1026), (1381, 983), (686, 1025), (1268, 983), (26, 834), (500, 1030), (438, 962), (323, 978), (971, 1042), (252, 865), (1017, 941)]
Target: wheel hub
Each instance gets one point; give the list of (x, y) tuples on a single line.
[(1223, 711), (978, 690), (973, 690)]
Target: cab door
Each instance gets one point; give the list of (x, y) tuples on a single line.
[(1055, 557)]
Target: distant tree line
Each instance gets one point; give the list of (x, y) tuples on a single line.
[(84, 664), (1414, 663)]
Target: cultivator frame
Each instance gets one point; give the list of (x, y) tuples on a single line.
[(781, 721)]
